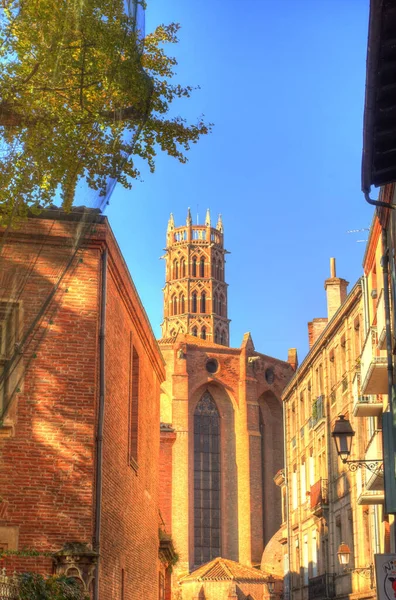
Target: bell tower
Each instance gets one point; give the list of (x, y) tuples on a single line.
[(195, 293)]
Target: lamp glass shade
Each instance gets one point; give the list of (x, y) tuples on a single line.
[(343, 434), (271, 584), (343, 554)]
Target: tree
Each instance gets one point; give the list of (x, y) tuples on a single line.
[(82, 95)]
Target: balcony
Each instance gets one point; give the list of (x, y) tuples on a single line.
[(374, 481), (321, 587), (365, 496), (373, 366), (318, 410), (319, 497), (381, 329), (364, 406)]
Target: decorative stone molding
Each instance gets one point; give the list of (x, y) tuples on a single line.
[(79, 561)]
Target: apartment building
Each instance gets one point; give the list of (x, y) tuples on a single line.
[(327, 502)]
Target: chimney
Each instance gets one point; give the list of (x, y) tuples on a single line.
[(315, 328), (336, 290), (292, 358)]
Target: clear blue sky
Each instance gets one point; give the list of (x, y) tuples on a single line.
[(284, 84)]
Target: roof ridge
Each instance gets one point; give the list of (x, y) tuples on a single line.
[(226, 568)]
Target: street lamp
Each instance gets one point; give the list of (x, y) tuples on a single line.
[(343, 435), (344, 555), (271, 584)]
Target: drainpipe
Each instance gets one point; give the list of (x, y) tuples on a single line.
[(99, 433)]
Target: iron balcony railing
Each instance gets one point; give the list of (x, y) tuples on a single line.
[(321, 587)]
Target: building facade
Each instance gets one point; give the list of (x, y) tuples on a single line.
[(221, 413), (326, 503), (80, 384)]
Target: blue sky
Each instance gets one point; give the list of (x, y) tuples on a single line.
[(283, 82)]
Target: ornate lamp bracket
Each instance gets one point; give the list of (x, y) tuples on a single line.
[(375, 466)]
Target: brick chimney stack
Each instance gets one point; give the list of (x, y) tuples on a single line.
[(336, 290)]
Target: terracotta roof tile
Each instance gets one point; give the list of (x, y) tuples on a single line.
[(222, 569)]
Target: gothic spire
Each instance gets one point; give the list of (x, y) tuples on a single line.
[(219, 225), (171, 223), (207, 218), (189, 219)]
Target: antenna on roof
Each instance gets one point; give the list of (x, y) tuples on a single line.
[(358, 231)]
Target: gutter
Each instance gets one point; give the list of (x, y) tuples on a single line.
[(99, 433)]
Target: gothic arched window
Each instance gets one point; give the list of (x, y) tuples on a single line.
[(194, 302), (203, 333), (182, 268), (214, 268), (206, 481), (203, 302), (222, 338), (195, 331), (174, 305), (194, 267), (215, 303), (175, 269), (217, 337), (220, 306), (182, 304), (202, 267)]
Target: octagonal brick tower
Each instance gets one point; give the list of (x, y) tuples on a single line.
[(195, 293)]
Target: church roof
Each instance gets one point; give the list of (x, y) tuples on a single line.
[(222, 569)]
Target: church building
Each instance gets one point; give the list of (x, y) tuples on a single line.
[(221, 426)]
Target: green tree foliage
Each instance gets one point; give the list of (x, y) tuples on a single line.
[(33, 586), (76, 85)]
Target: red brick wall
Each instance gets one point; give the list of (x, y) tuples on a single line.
[(129, 537), (165, 474), (47, 466)]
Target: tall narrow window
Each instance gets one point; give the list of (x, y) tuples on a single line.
[(217, 336), (182, 304), (175, 269), (195, 331), (203, 333), (222, 338), (194, 302), (134, 406), (215, 303), (202, 267), (194, 267), (174, 305), (203, 302), (182, 268), (206, 481), (220, 312)]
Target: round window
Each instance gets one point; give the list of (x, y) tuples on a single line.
[(212, 365), (269, 375)]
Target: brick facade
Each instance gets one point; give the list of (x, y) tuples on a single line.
[(48, 434), (245, 387)]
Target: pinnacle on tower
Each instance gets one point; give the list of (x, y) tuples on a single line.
[(207, 218), (219, 225), (189, 218), (171, 223)]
